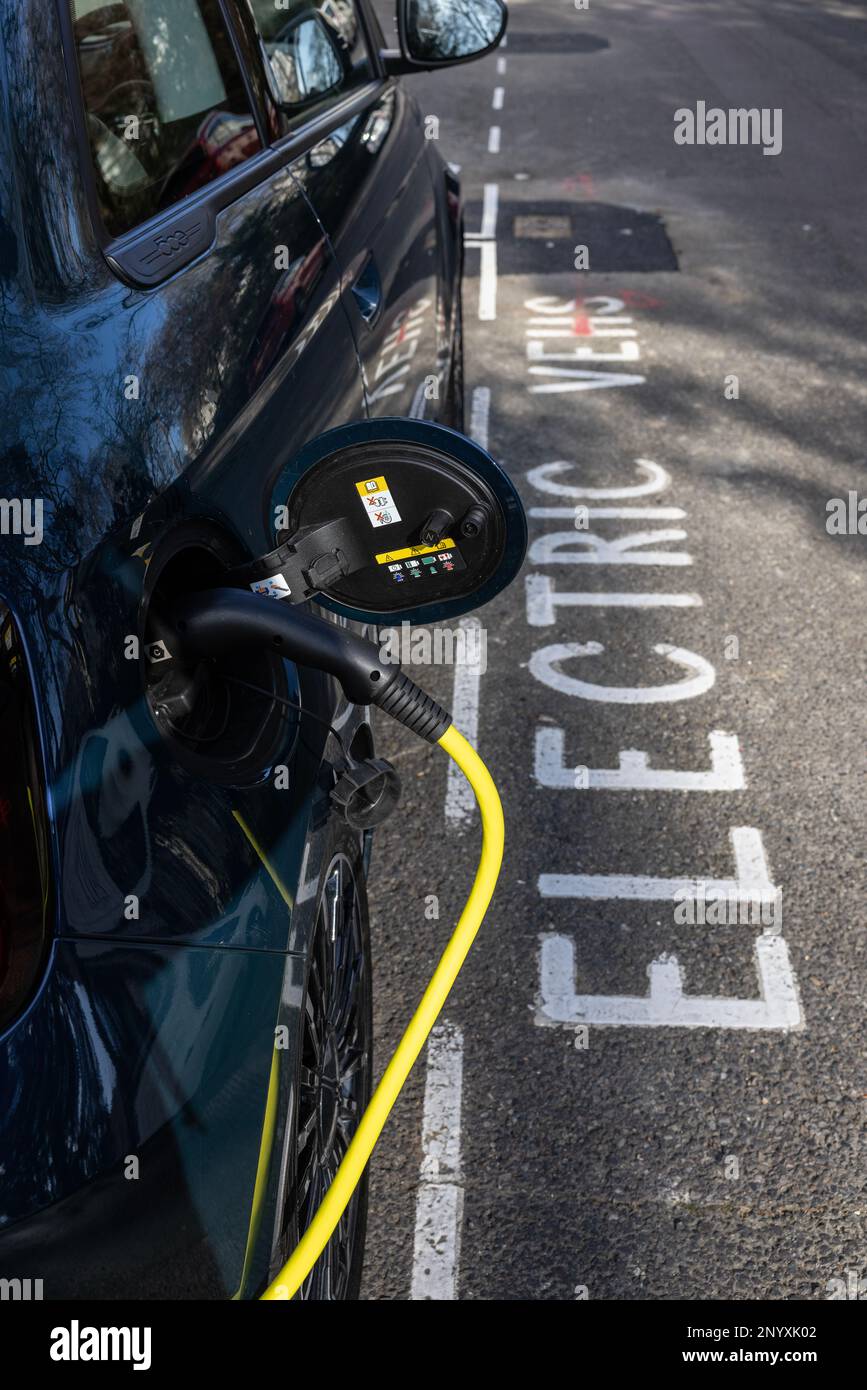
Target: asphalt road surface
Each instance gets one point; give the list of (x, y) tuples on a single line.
[(621, 1103)]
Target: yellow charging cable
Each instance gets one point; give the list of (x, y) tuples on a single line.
[(348, 1175)]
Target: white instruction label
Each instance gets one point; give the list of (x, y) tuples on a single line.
[(378, 501)]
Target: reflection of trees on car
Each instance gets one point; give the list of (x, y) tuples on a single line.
[(166, 108), (310, 47), (447, 29), (304, 61)]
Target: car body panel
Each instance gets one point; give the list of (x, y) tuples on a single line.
[(155, 1072), (371, 185), (184, 905)]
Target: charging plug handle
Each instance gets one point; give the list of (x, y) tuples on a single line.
[(219, 620)]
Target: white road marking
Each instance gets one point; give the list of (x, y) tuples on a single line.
[(666, 1005), (750, 882), (501, 66), (490, 203), (609, 513), (497, 100), (488, 281), (440, 1199), (557, 548), (485, 243), (480, 411), (543, 665), (543, 478), (460, 802), (439, 1205), (629, 352), (494, 140), (635, 773), (543, 600), (580, 380), (565, 328)]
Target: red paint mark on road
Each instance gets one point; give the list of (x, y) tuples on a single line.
[(637, 299), (581, 326), (579, 183)]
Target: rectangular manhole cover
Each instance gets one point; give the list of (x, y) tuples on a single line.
[(551, 228), (540, 238)]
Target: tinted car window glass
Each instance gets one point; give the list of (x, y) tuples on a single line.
[(165, 104), (314, 52)]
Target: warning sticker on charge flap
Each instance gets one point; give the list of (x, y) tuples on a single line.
[(378, 501), (274, 586), (388, 556)]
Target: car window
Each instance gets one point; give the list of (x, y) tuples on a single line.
[(165, 105), (314, 52)]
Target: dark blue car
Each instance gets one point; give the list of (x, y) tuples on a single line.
[(222, 233)]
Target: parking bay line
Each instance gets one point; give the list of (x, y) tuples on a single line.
[(460, 803), (490, 207), (485, 242), (440, 1199)]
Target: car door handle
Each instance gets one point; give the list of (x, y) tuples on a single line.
[(367, 291)]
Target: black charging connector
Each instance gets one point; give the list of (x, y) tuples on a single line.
[(215, 621)]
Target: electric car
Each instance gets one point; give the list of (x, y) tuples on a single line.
[(222, 234)]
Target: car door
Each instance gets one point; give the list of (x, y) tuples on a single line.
[(173, 333), (371, 181)]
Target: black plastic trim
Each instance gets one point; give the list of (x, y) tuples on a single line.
[(157, 249)]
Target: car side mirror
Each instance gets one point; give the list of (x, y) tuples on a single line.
[(304, 60), (392, 518), (441, 33)]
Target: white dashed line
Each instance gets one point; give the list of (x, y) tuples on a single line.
[(480, 412), (440, 1201), (460, 802), (501, 66), (494, 140), (490, 206), (484, 241), (488, 281), (498, 98)]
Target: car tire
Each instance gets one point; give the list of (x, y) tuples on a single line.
[(335, 1068)]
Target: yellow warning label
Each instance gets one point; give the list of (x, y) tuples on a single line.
[(388, 555), (371, 485)]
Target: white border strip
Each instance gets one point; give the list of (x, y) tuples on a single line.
[(440, 1202)]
